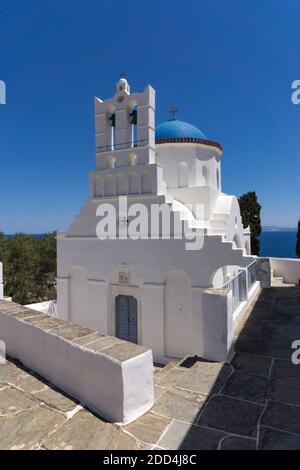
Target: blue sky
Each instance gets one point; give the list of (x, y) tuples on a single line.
[(228, 65)]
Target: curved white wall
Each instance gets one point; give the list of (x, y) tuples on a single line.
[(188, 165)]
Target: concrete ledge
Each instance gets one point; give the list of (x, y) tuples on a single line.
[(112, 377), (288, 268)]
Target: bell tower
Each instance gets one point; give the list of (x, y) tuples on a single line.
[(125, 138), (126, 120)]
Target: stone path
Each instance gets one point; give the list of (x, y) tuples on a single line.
[(254, 402)]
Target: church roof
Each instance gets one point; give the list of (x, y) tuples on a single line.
[(177, 129)]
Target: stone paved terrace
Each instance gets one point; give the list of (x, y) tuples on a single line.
[(254, 402)]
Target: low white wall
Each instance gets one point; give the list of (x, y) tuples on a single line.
[(217, 324), (288, 268), (48, 307), (219, 321), (120, 391)]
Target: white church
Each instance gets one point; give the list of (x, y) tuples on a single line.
[(152, 289)]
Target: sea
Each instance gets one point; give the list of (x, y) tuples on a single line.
[(275, 243), (278, 244)]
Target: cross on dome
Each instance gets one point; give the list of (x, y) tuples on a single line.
[(173, 110)]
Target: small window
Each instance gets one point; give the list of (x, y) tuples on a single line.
[(133, 122), (112, 119), (133, 116)]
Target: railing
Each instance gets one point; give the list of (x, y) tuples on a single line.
[(241, 284), (238, 286), (125, 145)]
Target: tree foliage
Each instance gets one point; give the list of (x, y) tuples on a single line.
[(29, 267), (298, 240), (250, 212)]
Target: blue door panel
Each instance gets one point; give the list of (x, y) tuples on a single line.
[(126, 318)]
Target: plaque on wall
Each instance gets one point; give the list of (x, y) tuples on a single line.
[(123, 277)]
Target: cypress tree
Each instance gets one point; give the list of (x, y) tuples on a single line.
[(250, 212)]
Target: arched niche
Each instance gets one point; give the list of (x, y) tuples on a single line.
[(183, 175), (111, 162), (134, 186), (122, 185), (98, 186), (132, 159), (110, 186), (146, 182)]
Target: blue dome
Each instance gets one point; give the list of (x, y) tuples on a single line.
[(177, 129)]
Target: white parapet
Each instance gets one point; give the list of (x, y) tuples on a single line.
[(110, 376), (218, 324), (288, 268), (49, 307)]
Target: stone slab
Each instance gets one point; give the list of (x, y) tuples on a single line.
[(124, 351), (27, 314), (231, 415), (181, 405), (205, 377), (103, 343), (170, 380), (13, 400), (149, 428), (181, 436), (56, 399), (237, 443), (271, 439), (252, 364), (87, 432), (85, 340), (247, 387), (285, 390), (285, 369), (29, 383), (261, 347), (45, 324), (70, 331), (27, 429), (9, 372), (31, 318), (282, 416)]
